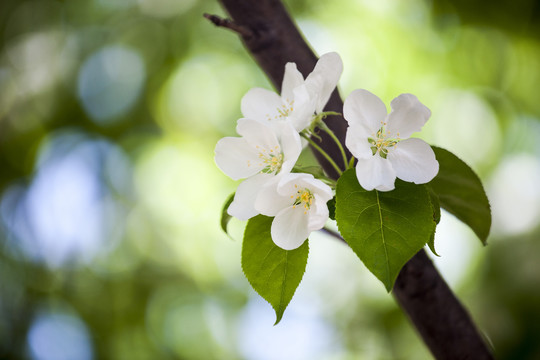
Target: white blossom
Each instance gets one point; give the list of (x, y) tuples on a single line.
[(298, 202), (300, 99), (261, 153), (381, 142)]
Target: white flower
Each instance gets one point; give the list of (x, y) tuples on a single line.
[(259, 155), (298, 202), (381, 142), (300, 99)]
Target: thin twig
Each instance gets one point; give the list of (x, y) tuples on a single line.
[(325, 127), (322, 152), (333, 233), (229, 24)]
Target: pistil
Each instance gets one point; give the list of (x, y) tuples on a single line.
[(382, 142), (304, 197)]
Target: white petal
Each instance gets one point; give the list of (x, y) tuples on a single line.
[(290, 228), (365, 109), (242, 206), (269, 202), (330, 68), (408, 115), (303, 109), (236, 158), (386, 187), (291, 145), (356, 141), (260, 104), (375, 173), (318, 213), (257, 134), (291, 183), (414, 161), (317, 187), (291, 79)]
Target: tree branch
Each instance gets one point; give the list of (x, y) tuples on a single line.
[(273, 40), (439, 317), (229, 24)]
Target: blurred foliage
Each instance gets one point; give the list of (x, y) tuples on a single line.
[(110, 245)]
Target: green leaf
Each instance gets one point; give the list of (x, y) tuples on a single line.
[(436, 216), (273, 272), (461, 193), (332, 208), (385, 229), (225, 217)]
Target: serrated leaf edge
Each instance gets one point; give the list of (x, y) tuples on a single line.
[(482, 239)]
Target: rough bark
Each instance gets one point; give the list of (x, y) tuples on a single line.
[(273, 39), (439, 317)]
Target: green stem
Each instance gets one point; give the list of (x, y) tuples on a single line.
[(324, 127), (328, 181), (351, 163), (323, 153)]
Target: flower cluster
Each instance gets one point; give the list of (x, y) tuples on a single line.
[(269, 147), (270, 143)]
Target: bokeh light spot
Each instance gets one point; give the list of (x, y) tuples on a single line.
[(465, 124), (67, 214), (515, 194), (59, 336), (110, 82)]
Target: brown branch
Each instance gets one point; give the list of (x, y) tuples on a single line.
[(229, 24), (440, 319), (443, 322)]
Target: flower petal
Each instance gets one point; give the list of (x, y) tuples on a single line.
[(365, 109), (291, 79), (356, 141), (414, 161), (375, 173), (290, 228), (242, 206), (317, 187), (303, 109), (291, 183), (236, 158), (260, 104), (318, 213), (268, 201), (329, 67), (291, 145), (257, 134), (408, 115)]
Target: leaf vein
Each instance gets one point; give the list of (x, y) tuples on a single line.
[(383, 239), (282, 296)]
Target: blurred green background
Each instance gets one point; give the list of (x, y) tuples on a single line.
[(110, 246)]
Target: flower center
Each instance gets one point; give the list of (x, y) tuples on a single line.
[(282, 111), (382, 141), (304, 197), (272, 160)]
